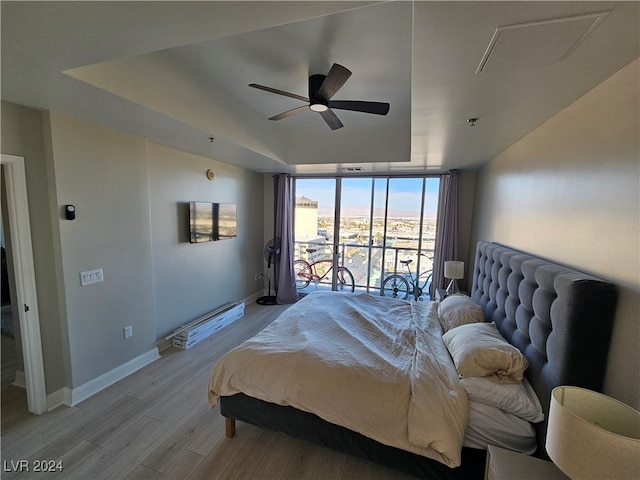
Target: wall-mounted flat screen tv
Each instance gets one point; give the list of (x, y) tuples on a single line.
[(224, 221), (209, 222)]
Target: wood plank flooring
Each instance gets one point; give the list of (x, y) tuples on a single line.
[(155, 424), (9, 360)]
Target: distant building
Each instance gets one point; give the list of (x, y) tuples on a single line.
[(306, 223)]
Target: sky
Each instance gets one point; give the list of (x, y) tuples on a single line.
[(404, 193)]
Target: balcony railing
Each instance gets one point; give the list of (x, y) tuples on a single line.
[(369, 264)]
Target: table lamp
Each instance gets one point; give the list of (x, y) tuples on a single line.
[(593, 436), (453, 270)]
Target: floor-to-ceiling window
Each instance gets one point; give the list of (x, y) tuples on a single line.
[(365, 228)]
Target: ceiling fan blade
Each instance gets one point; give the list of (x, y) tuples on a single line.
[(334, 80), (377, 108), (332, 120), (288, 113), (279, 92)]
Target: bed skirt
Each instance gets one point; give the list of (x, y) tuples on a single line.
[(310, 427)]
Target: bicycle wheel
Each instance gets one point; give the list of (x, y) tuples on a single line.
[(302, 272), (345, 282), (395, 286), (427, 284)]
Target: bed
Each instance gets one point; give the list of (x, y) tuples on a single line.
[(560, 321)]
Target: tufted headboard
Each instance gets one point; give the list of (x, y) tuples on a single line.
[(559, 318)]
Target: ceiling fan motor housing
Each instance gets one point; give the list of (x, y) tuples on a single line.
[(315, 81), (316, 103)]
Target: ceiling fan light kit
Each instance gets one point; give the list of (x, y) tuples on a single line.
[(318, 107), (321, 89)]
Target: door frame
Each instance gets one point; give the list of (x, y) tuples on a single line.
[(25, 281)]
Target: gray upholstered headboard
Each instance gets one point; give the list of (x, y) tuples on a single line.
[(559, 318)]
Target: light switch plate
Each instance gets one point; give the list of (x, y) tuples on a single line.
[(91, 276)]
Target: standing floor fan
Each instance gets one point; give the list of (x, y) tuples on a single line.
[(272, 256)]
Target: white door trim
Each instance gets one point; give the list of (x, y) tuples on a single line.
[(25, 294)]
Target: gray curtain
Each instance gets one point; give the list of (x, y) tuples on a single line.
[(285, 283), (446, 246)]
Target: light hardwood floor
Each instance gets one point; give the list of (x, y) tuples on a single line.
[(155, 424)]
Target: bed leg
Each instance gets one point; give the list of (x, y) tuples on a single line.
[(230, 427)]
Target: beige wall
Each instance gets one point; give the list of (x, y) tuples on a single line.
[(570, 191)]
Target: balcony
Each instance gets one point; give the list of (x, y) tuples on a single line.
[(365, 262)]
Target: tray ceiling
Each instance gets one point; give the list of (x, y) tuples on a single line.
[(178, 73)]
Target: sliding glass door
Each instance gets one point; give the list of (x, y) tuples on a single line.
[(361, 229), (316, 255)]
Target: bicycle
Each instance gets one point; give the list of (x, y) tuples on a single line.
[(397, 286), (306, 273)]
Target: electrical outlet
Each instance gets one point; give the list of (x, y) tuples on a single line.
[(128, 331)]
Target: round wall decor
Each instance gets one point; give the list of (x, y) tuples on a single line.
[(211, 174)]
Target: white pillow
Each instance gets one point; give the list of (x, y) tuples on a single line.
[(457, 310), (518, 399), (478, 350)]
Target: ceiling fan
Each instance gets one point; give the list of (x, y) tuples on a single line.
[(321, 89)]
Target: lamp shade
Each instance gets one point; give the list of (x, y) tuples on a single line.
[(593, 436), (453, 270)]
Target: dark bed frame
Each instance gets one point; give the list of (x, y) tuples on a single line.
[(559, 318)]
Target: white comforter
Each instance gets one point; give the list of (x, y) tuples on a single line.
[(372, 364)]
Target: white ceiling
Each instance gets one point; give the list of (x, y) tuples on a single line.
[(178, 74)]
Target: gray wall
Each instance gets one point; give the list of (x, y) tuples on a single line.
[(570, 191), (192, 279), (104, 174), (23, 135), (129, 196)]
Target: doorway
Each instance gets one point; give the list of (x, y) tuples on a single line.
[(24, 296), (11, 352)]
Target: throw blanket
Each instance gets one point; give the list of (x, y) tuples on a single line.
[(375, 365)]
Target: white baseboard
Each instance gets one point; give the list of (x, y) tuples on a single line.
[(71, 397), (59, 398), (163, 344), (254, 297), (20, 381)]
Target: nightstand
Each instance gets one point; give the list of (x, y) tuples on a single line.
[(507, 465)]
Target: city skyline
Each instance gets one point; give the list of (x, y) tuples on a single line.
[(356, 211), (405, 196)]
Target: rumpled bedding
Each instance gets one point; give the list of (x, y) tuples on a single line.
[(375, 365)]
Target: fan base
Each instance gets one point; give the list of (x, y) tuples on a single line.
[(267, 300)]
